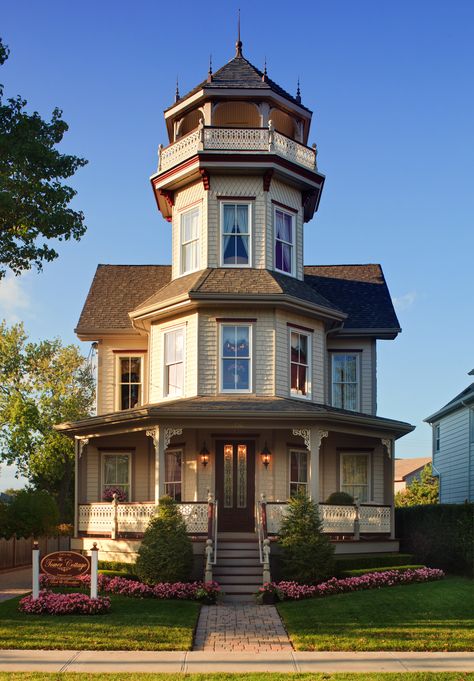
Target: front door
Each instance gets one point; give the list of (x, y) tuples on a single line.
[(235, 485)]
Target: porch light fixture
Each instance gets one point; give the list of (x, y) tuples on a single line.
[(265, 455), (204, 455)]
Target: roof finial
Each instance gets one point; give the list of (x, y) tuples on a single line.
[(209, 74), (298, 92), (238, 44), (264, 75), (176, 95)]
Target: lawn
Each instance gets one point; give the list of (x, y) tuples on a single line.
[(435, 616), (139, 676), (132, 624)]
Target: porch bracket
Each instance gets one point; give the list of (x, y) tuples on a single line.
[(305, 433), (388, 444), (81, 443), (171, 432)]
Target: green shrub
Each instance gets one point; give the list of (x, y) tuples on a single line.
[(119, 573), (31, 513), (166, 552), (440, 535), (371, 560), (340, 499), (307, 553), (366, 571), (116, 566)]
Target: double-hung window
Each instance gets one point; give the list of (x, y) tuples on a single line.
[(284, 241), (298, 472), (235, 234), (355, 476), (345, 381), (130, 371), (174, 474), (174, 362), (116, 476), (437, 437), (300, 364), (236, 358), (189, 241)]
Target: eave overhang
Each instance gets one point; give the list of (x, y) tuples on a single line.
[(380, 333), (462, 403)]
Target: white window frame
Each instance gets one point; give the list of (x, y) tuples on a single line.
[(292, 244), (182, 243), (103, 455), (437, 437), (118, 381), (309, 386), (368, 456), (221, 231), (298, 450), (342, 353), (221, 358), (165, 394), (175, 450)]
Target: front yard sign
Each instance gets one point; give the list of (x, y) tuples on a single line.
[(65, 567)]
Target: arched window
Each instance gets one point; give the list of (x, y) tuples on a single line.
[(236, 115)]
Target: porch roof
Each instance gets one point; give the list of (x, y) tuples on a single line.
[(276, 412)]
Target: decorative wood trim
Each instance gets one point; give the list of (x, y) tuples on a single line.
[(301, 328), (267, 179), (344, 351), (222, 197), (234, 319), (188, 206), (169, 219), (307, 196), (206, 178), (285, 207), (168, 196), (125, 350)]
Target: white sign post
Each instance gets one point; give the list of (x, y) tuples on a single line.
[(94, 570), (36, 570)]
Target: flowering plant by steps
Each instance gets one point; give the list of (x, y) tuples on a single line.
[(286, 591), (49, 603)]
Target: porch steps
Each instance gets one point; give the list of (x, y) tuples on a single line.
[(238, 568)]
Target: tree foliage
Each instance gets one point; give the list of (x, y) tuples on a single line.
[(41, 384), (34, 201), (308, 556), (31, 513), (421, 491)]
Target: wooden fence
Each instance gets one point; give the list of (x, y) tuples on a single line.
[(17, 552)]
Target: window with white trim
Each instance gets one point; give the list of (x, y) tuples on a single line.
[(355, 476), (174, 362), (300, 364), (235, 234), (345, 380), (298, 472), (284, 241), (437, 437), (236, 358), (189, 240), (116, 476), (173, 485), (130, 372)]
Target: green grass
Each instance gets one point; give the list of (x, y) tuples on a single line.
[(435, 616), (132, 624), (139, 676)]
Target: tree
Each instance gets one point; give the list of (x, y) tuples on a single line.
[(307, 552), (41, 384), (34, 202), (32, 513), (421, 491)]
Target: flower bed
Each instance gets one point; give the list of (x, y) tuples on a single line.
[(292, 591), (49, 603)]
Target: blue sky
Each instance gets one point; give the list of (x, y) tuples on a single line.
[(390, 84)]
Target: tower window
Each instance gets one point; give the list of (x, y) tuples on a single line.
[(235, 229), (174, 362), (130, 382), (345, 381), (190, 241), (236, 358), (300, 351), (284, 241)]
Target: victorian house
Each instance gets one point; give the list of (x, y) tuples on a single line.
[(237, 376)]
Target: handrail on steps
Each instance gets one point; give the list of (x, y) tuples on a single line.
[(263, 540), (211, 541)]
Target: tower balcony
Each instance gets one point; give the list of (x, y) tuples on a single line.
[(230, 140)]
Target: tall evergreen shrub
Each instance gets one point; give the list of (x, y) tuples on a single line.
[(307, 553)]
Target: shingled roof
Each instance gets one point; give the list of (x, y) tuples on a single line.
[(240, 73)]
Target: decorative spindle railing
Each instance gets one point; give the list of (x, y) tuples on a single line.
[(354, 519)]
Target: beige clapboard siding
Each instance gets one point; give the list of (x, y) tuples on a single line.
[(282, 367), (368, 369), (192, 196), (263, 343), (290, 197), (107, 378), (190, 324)]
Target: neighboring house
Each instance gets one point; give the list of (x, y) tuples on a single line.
[(453, 447), (407, 470), (236, 370)]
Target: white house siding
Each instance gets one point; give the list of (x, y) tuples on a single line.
[(368, 369), (452, 460), (193, 196), (290, 197), (282, 354), (190, 323), (107, 378)]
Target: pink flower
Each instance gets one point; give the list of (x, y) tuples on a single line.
[(49, 603)]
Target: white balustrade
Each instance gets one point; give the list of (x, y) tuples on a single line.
[(134, 518), (240, 139), (275, 515), (375, 518), (96, 518), (294, 151), (179, 151), (337, 519)]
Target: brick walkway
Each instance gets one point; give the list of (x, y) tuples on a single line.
[(240, 627)]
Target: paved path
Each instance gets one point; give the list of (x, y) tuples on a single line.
[(240, 628), (14, 583), (208, 662)]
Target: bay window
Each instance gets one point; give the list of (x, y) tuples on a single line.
[(173, 383), (284, 241), (298, 472), (189, 241), (130, 372), (174, 474), (345, 380), (235, 358), (300, 372), (355, 476), (235, 234)]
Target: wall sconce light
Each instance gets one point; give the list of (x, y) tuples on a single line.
[(204, 455), (265, 455)]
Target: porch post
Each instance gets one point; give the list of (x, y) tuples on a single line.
[(312, 438), (161, 438), (79, 444), (389, 445)]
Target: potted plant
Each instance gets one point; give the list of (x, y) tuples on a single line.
[(268, 594)]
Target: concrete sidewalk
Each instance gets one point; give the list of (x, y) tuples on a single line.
[(208, 662), (15, 582)]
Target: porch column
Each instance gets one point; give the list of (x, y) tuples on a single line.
[(389, 445), (79, 444), (161, 437), (312, 439)]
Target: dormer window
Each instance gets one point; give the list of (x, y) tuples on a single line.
[(189, 241), (300, 364), (129, 371), (284, 241), (235, 234)]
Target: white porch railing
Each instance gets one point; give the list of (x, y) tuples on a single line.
[(211, 138), (365, 519)]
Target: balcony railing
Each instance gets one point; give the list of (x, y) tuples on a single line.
[(364, 519), (210, 138)]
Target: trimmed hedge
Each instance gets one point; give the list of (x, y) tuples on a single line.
[(392, 568), (440, 535), (115, 565), (371, 560), (119, 573)]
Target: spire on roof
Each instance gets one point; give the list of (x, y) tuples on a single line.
[(209, 74), (264, 75), (470, 373), (238, 44), (298, 92), (176, 94)]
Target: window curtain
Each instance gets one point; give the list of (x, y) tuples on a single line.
[(235, 237)]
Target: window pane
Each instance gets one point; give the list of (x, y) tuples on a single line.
[(286, 258), (242, 219), (241, 250), (279, 224), (303, 346), (337, 395), (294, 466), (134, 396), (279, 255), (229, 226), (125, 397), (135, 369), (125, 369), (109, 470), (338, 367), (228, 341), (302, 379), (350, 396), (242, 334), (351, 369), (294, 340), (235, 374)]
